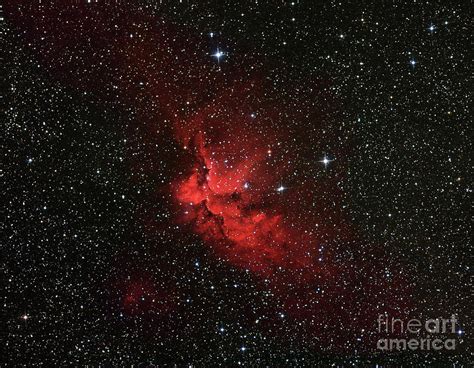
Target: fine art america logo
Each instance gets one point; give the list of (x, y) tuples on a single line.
[(432, 334)]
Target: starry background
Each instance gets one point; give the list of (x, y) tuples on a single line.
[(75, 240)]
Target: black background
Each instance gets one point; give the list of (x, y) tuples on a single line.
[(71, 230)]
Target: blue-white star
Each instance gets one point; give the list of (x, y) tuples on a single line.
[(218, 54), (280, 189), (326, 161)]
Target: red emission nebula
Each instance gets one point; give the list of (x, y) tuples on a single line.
[(236, 188), (229, 193)]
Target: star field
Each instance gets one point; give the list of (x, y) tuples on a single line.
[(233, 184)]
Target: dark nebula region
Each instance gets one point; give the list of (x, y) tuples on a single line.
[(235, 172)]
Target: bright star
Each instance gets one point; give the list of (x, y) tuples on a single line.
[(326, 161), (281, 188), (218, 54)]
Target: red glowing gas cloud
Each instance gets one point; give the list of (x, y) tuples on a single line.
[(231, 194), (240, 158)]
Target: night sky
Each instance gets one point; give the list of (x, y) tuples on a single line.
[(224, 183)]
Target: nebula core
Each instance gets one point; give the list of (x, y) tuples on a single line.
[(230, 193)]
